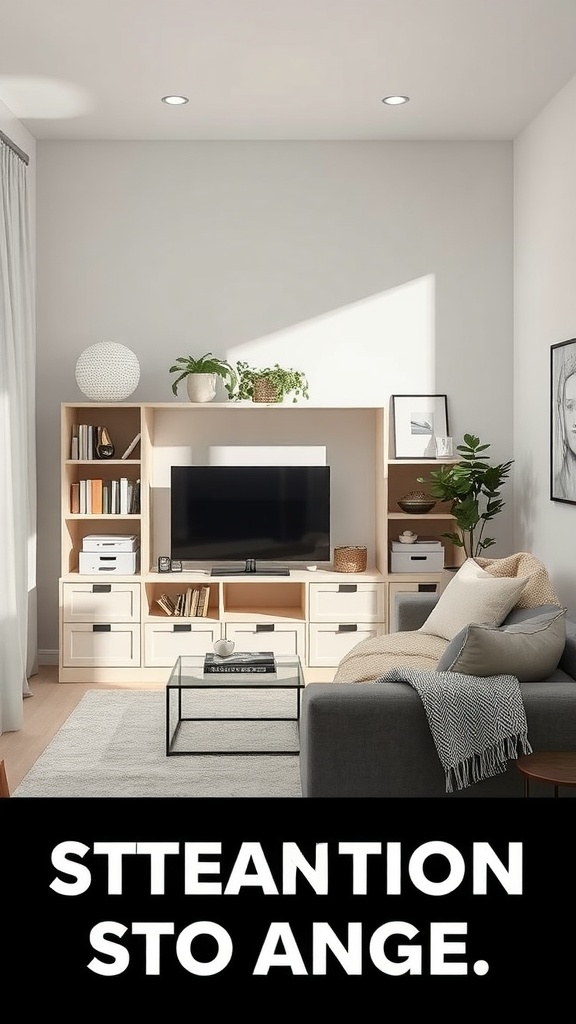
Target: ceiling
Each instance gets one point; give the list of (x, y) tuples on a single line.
[(283, 69)]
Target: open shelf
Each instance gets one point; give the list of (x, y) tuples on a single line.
[(245, 601)]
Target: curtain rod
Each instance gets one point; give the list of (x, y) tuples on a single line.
[(15, 149)]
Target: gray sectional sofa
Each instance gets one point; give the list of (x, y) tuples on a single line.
[(373, 739)]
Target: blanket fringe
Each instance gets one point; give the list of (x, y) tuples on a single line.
[(490, 762)]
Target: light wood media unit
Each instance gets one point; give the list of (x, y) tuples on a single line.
[(112, 630)]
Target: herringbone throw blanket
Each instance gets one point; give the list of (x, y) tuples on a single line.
[(477, 723)]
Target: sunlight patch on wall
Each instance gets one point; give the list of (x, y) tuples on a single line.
[(362, 353)]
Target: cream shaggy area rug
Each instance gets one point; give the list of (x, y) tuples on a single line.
[(113, 745)]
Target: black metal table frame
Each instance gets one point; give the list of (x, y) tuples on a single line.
[(171, 737)]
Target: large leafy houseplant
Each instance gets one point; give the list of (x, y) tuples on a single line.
[(270, 384), (208, 363), (472, 486)]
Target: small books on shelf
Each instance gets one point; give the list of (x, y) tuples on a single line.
[(105, 497), (84, 442), (166, 604), (188, 604), (243, 661), (131, 446)]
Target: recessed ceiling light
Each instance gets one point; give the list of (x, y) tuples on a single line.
[(395, 101), (175, 101)]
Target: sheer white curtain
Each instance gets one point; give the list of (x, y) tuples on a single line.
[(18, 642)]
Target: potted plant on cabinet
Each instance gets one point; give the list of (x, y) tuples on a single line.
[(201, 376), (472, 486), (270, 384)]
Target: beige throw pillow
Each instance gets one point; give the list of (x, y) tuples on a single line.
[(473, 595)]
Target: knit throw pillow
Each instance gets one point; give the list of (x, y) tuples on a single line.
[(538, 589)]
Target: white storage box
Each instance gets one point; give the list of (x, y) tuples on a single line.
[(110, 542), (124, 563), (413, 559)]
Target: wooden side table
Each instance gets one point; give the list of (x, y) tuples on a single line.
[(555, 767)]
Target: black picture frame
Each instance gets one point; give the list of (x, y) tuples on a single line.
[(563, 422), (417, 420)]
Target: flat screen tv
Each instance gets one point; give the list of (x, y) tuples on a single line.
[(241, 513)]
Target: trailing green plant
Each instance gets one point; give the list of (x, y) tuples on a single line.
[(208, 363), (472, 486), (284, 382)]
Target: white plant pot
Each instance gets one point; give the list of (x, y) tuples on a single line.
[(201, 386)]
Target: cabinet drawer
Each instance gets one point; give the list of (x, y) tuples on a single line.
[(340, 602), (281, 638), (101, 602), (329, 642), (165, 641), (100, 645)]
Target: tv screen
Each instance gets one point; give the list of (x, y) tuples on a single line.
[(244, 512)]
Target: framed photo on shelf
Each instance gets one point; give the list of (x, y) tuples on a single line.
[(563, 422), (418, 420)]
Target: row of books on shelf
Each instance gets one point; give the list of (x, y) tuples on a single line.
[(105, 497), (95, 442), (191, 603)]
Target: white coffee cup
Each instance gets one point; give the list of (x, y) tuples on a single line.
[(224, 648)]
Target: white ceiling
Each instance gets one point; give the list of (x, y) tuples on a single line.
[(283, 69)]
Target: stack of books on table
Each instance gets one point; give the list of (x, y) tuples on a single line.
[(244, 661)]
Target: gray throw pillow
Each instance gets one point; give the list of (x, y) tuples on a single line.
[(529, 649)]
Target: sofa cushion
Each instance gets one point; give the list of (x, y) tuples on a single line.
[(473, 595), (529, 649)]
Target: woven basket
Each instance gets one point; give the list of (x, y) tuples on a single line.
[(351, 559), (264, 391)]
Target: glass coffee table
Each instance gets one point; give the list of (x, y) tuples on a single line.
[(247, 699)]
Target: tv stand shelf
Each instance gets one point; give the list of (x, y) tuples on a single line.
[(111, 627), (251, 567)]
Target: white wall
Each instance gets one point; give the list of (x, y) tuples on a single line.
[(16, 131), (545, 313), (377, 268)]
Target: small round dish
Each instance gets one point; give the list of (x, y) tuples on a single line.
[(416, 507), (416, 502)]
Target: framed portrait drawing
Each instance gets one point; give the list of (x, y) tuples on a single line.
[(563, 422), (418, 419)]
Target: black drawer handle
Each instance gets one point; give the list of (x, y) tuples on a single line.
[(427, 588), (264, 627), (347, 588), (101, 627), (418, 558), (102, 588), (182, 627), (347, 627)]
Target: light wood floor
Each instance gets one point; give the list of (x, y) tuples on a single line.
[(48, 708)]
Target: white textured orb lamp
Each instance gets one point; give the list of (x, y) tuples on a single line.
[(107, 372)]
